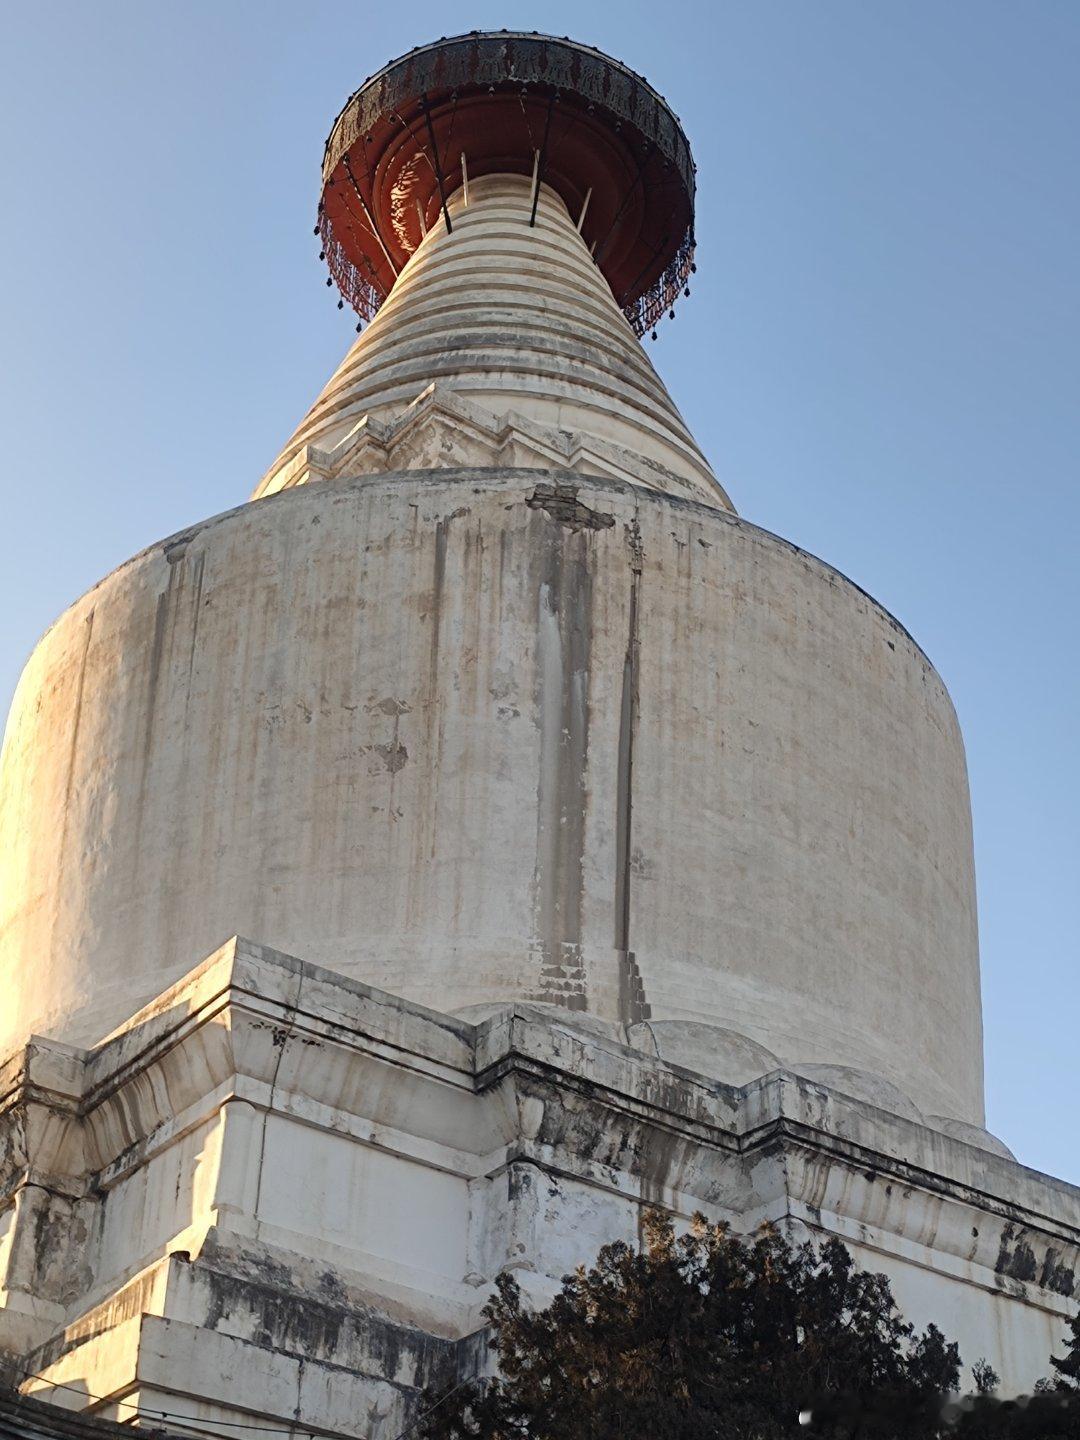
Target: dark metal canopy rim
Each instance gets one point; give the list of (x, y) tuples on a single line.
[(591, 129)]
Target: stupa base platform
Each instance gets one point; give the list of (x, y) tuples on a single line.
[(277, 1196)]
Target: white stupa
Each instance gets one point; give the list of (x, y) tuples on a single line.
[(596, 848)]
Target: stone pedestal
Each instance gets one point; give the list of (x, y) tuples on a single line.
[(276, 1194)]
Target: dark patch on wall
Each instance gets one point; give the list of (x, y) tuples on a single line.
[(633, 1004), (176, 548), (198, 568), (562, 504), (1017, 1263), (660, 1158), (73, 752), (563, 642), (270, 1302), (1055, 1275), (393, 755), (432, 707), (60, 1235), (438, 580)]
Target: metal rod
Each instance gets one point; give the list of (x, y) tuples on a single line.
[(423, 222), (438, 167), (465, 179), (584, 207), (541, 158), (362, 258), (370, 219)]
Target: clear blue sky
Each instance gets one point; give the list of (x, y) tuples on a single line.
[(881, 356)]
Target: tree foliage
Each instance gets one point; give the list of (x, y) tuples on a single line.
[(1052, 1413), (1068, 1367), (694, 1336)]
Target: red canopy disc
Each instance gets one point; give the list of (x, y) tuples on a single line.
[(510, 103)]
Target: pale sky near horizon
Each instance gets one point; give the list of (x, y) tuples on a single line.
[(881, 356)]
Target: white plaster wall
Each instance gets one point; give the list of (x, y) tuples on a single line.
[(637, 757), (363, 1199), (156, 1201), (987, 1322)]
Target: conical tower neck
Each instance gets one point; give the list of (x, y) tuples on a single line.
[(499, 344)]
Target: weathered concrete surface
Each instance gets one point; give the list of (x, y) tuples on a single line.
[(518, 324), (481, 735), (293, 1193)]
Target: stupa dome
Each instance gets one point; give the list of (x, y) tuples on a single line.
[(488, 695)]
